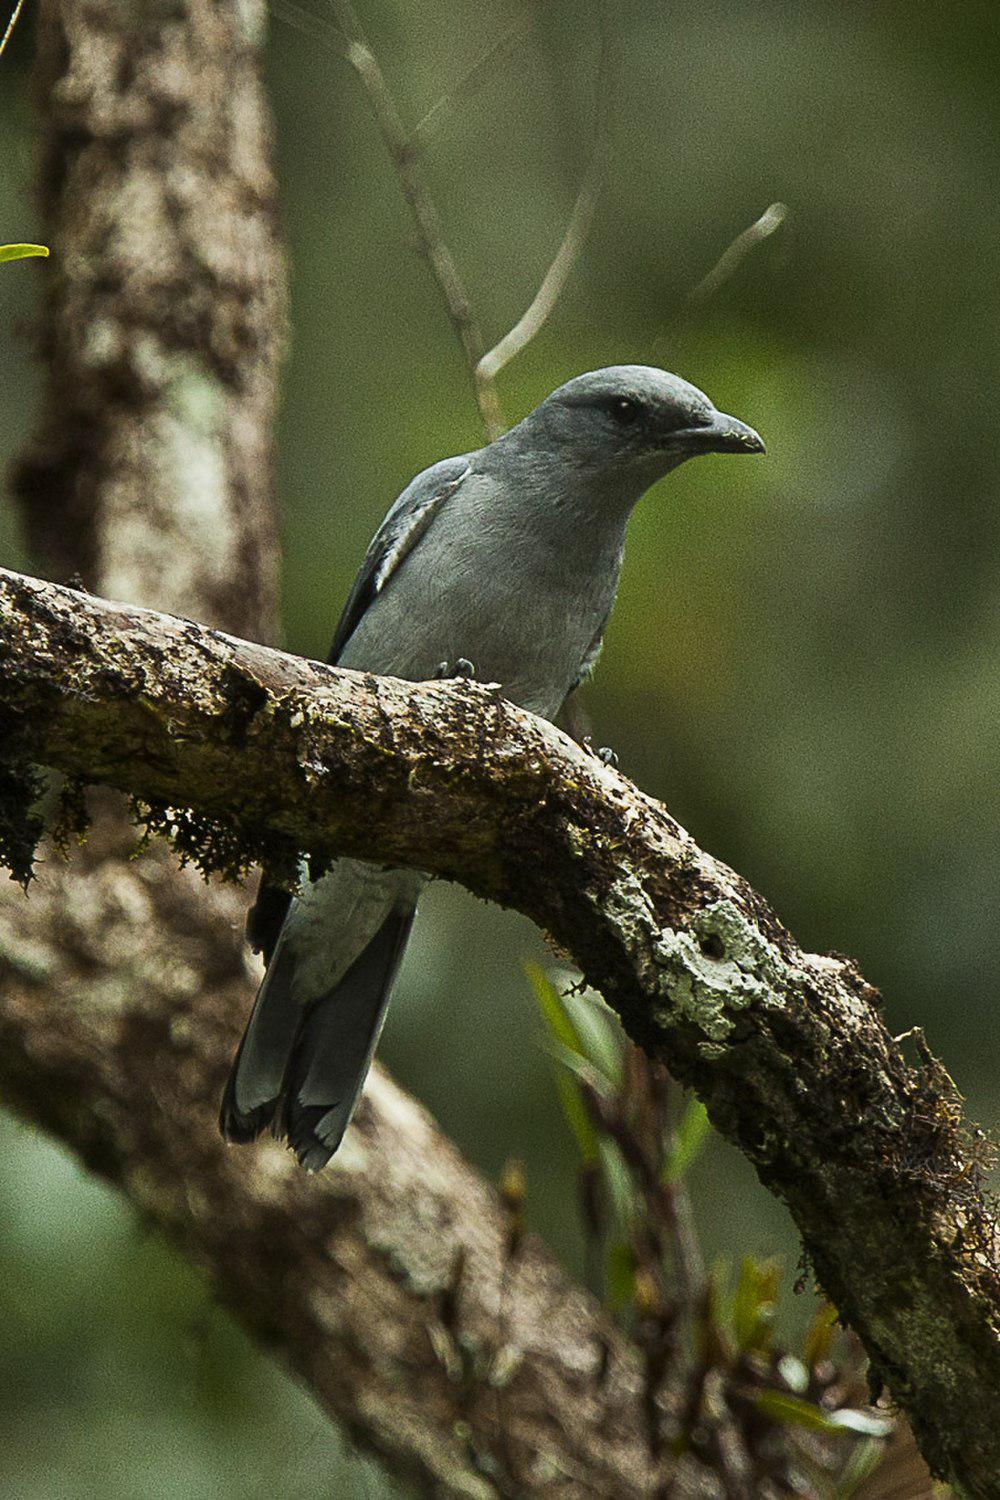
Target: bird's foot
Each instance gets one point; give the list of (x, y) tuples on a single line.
[(462, 667), (604, 753)]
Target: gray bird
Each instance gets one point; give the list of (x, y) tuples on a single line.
[(506, 559)]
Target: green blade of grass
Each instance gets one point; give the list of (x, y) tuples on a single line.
[(687, 1142), (619, 1275), (820, 1336), (599, 1032), (618, 1181), (794, 1411), (861, 1465), (753, 1304), (21, 252), (580, 1069), (565, 1036)]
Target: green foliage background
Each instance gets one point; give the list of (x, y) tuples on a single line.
[(803, 662)]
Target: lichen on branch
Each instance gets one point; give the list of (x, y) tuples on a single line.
[(787, 1049)]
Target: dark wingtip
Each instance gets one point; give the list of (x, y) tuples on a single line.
[(303, 1128), (238, 1127)]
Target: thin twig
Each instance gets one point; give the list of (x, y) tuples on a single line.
[(18, 5), (409, 170), (353, 47), (689, 1264), (689, 1261), (736, 253), (483, 68), (580, 221), (404, 152), (309, 25)]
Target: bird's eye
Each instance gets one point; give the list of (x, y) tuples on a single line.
[(624, 411)]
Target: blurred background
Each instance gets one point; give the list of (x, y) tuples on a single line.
[(803, 660)]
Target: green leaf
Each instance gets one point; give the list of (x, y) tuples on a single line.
[(599, 1032), (819, 1339), (861, 1465), (21, 252), (577, 1117), (794, 1411), (687, 1141), (553, 1010), (754, 1303), (564, 1034), (618, 1181), (713, 1338), (581, 1069), (619, 1275)]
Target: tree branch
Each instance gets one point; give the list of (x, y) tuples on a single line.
[(577, 231), (405, 152), (11, 23), (736, 253), (115, 1036), (484, 68), (123, 980), (787, 1049), (409, 169)]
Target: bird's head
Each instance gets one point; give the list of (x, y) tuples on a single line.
[(632, 420)]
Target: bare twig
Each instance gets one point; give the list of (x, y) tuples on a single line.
[(404, 151), (309, 25), (736, 253), (18, 6), (428, 223), (578, 228), (355, 49), (481, 70), (688, 1259), (409, 170)]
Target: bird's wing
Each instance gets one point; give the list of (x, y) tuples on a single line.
[(399, 533), (591, 654)]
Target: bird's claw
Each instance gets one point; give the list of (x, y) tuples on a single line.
[(461, 668), (604, 754)]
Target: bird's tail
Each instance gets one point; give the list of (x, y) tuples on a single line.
[(301, 1069)]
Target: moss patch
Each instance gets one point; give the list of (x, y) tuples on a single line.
[(216, 847), (71, 821), (21, 826)]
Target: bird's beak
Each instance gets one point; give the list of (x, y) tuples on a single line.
[(725, 434)]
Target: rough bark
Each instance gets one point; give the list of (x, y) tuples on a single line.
[(788, 1049), (124, 981), (385, 1284), (166, 308)]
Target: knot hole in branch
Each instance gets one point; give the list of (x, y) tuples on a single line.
[(712, 945)]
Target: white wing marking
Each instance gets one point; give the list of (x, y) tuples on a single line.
[(412, 528)]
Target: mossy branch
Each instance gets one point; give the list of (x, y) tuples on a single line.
[(787, 1049)]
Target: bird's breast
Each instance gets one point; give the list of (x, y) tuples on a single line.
[(523, 610)]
